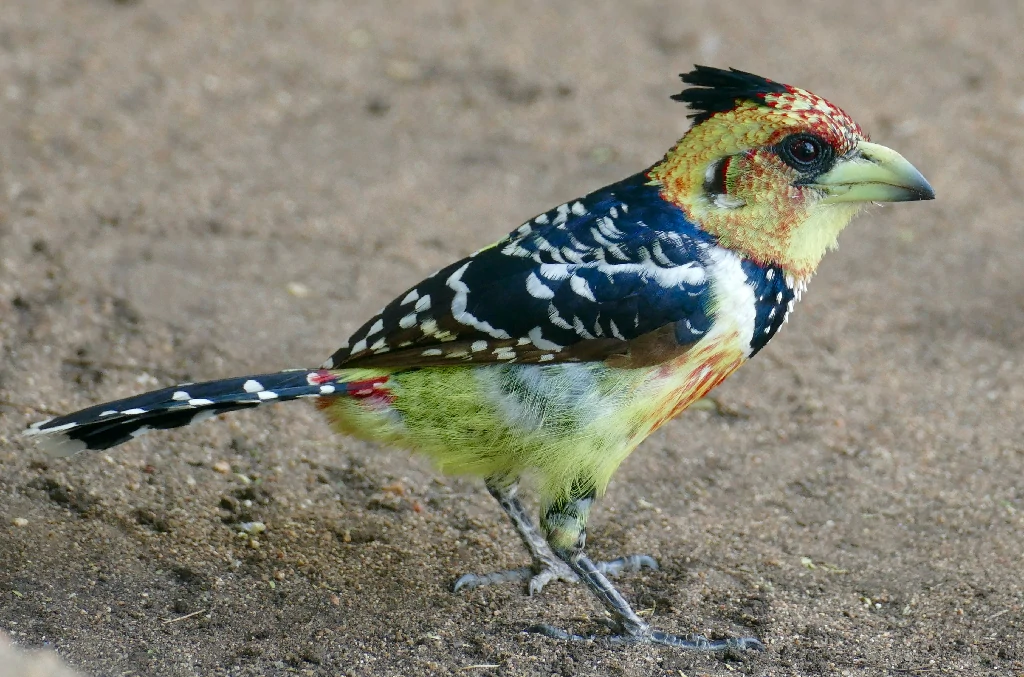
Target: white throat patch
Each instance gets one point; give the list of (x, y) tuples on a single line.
[(735, 303)]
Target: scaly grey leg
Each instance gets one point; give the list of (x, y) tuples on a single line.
[(566, 527), (547, 566), (627, 626)]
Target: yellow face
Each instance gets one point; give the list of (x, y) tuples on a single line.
[(778, 177)]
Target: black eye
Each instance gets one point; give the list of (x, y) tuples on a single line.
[(804, 152)]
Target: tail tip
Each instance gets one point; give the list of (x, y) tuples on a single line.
[(55, 441)]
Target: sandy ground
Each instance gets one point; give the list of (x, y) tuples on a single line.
[(201, 189)]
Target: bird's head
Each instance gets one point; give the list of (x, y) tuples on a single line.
[(774, 171)]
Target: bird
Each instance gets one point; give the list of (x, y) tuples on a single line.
[(551, 354)]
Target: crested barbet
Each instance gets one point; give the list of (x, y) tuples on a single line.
[(552, 353)]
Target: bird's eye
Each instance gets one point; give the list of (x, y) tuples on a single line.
[(804, 152)]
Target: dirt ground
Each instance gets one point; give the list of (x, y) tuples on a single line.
[(191, 190)]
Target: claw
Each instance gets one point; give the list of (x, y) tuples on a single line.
[(472, 581), (557, 633), (554, 570), (629, 564), (559, 572)]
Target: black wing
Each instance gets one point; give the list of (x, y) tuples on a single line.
[(573, 284)]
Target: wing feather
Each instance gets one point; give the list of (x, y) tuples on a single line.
[(577, 283)]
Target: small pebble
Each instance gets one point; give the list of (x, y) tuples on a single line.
[(19, 522), (298, 290), (360, 38), (223, 467), (253, 527), (401, 70)]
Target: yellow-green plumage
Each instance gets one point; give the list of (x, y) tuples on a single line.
[(558, 424), (563, 426)]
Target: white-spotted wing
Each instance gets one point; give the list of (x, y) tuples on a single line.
[(575, 283)]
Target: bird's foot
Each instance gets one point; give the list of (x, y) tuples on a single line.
[(644, 634), (553, 569)]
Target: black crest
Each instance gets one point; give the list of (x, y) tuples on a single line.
[(717, 90)]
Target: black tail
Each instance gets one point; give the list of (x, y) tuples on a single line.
[(110, 424)]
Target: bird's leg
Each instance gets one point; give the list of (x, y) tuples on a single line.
[(565, 526), (546, 566)]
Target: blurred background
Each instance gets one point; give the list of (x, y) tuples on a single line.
[(194, 190)]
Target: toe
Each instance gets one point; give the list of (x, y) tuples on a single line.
[(471, 581), (548, 574), (628, 564)]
